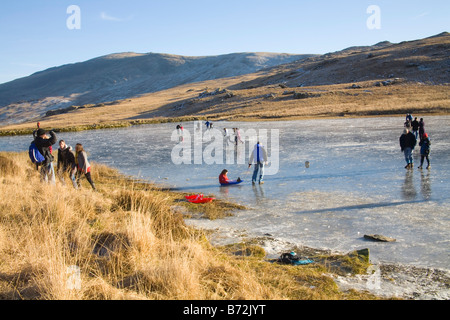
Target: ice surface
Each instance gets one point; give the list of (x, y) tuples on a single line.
[(356, 183)]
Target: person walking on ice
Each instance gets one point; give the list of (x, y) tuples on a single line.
[(425, 150), (407, 144), (258, 158)]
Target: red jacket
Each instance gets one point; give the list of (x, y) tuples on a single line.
[(223, 179)]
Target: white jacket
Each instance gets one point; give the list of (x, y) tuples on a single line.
[(259, 154)]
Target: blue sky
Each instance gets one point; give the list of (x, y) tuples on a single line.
[(34, 35)]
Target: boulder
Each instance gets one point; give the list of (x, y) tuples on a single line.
[(378, 237), (304, 95)]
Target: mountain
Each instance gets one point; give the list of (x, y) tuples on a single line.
[(425, 60), (385, 78), (119, 76)]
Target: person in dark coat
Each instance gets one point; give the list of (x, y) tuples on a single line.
[(66, 163), (421, 128), (44, 144), (415, 127), (407, 144), (425, 150)]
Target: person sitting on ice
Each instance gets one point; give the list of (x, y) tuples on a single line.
[(223, 178)]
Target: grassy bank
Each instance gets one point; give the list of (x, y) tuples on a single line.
[(129, 240), (248, 103)]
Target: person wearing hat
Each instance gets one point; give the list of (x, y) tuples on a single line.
[(425, 150), (407, 144), (38, 125), (44, 144)]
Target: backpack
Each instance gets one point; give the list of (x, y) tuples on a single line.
[(293, 259), (35, 155)]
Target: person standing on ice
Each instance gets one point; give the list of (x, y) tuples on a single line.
[(407, 144), (415, 127), (425, 150), (258, 158), (237, 136), (421, 128)]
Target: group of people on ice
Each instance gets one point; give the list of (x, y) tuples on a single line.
[(414, 130)]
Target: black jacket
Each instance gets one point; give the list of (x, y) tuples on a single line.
[(66, 159), (407, 141), (44, 145)]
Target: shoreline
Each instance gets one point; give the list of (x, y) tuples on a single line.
[(15, 130), (385, 279)]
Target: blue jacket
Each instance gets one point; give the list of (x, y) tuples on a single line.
[(425, 146)]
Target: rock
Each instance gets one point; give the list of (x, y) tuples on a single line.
[(60, 111), (355, 86), (301, 95), (270, 96), (378, 237), (364, 254), (304, 95), (207, 93), (412, 65), (229, 95)]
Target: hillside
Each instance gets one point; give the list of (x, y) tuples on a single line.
[(119, 76), (383, 79), (426, 60)]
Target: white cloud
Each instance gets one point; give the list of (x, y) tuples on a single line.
[(423, 14), (107, 17)]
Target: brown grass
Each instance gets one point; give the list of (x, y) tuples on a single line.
[(253, 104), (128, 243)]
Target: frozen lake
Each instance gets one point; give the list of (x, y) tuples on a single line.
[(356, 183)]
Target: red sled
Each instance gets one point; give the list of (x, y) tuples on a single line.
[(198, 198)]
